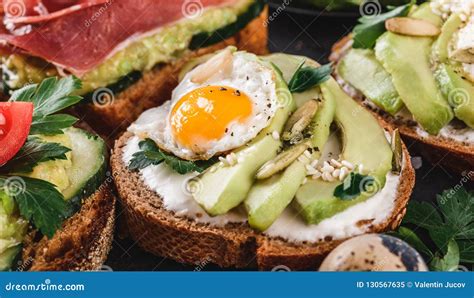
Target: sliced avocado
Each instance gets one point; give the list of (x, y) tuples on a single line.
[(364, 143), (361, 69), (441, 46), (458, 91), (268, 198), (407, 59), (225, 187), (12, 231)]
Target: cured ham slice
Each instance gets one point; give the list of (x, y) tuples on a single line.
[(79, 39), (35, 11)]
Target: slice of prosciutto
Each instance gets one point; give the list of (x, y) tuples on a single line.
[(79, 35)]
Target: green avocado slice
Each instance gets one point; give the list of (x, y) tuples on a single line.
[(441, 46), (225, 187), (459, 92), (364, 142), (407, 59), (361, 69), (268, 198)]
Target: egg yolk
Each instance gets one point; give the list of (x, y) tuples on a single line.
[(205, 114)]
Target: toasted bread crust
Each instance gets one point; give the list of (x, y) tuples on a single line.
[(83, 242), (160, 232), (456, 156), (156, 85)]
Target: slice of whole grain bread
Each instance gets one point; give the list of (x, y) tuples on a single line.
[(456, 156), (113, 116), (82, 243), (160, 232)]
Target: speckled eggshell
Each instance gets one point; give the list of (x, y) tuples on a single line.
[(374, 252)]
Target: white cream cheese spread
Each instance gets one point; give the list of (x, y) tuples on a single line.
[(176, 191)]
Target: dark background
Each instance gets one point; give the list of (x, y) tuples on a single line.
[(303, 32)]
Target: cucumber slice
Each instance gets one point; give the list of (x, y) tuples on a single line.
[(89, 165)]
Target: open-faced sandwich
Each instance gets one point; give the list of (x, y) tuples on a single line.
[(414, 65), (56, 207), (126, 52), (241, 169)]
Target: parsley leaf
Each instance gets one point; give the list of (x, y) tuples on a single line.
[(32, 153), (51, 124), (371, 27), (51, 96), (150, 154), (353, 186), (450, 227), (38, 201), (307, 77)]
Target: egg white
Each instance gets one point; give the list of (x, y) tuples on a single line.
[(249, 76)]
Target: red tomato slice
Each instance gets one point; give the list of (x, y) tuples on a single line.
[(15, 123)]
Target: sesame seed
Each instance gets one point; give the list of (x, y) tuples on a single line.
[(307, 154), (336, 173), (335, 163), (314, 163), (316, 175), (276, 135), (347, 164)]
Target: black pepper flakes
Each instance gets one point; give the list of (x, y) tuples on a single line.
[(223, 89), (237, 93)]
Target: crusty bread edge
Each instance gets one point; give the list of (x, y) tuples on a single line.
[(236, 245), (455, 156), (89, 252)]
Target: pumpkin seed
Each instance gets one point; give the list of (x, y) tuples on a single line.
[(463, 55), (299, 120), (411, 27), (282, 161), (397, 152)]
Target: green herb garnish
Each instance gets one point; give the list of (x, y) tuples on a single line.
[(32, 153), (49, 97), (371, 27), (307, 77), (353, 186), (150, 154), (38, 201), (450, 226)]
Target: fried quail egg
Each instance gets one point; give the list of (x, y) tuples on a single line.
[(218, 106)]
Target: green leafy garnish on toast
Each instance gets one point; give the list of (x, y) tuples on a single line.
[(49, 97), (150, 154), (353, 186), (33, 152), (307, 77), (371, 27), (38, 201)]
